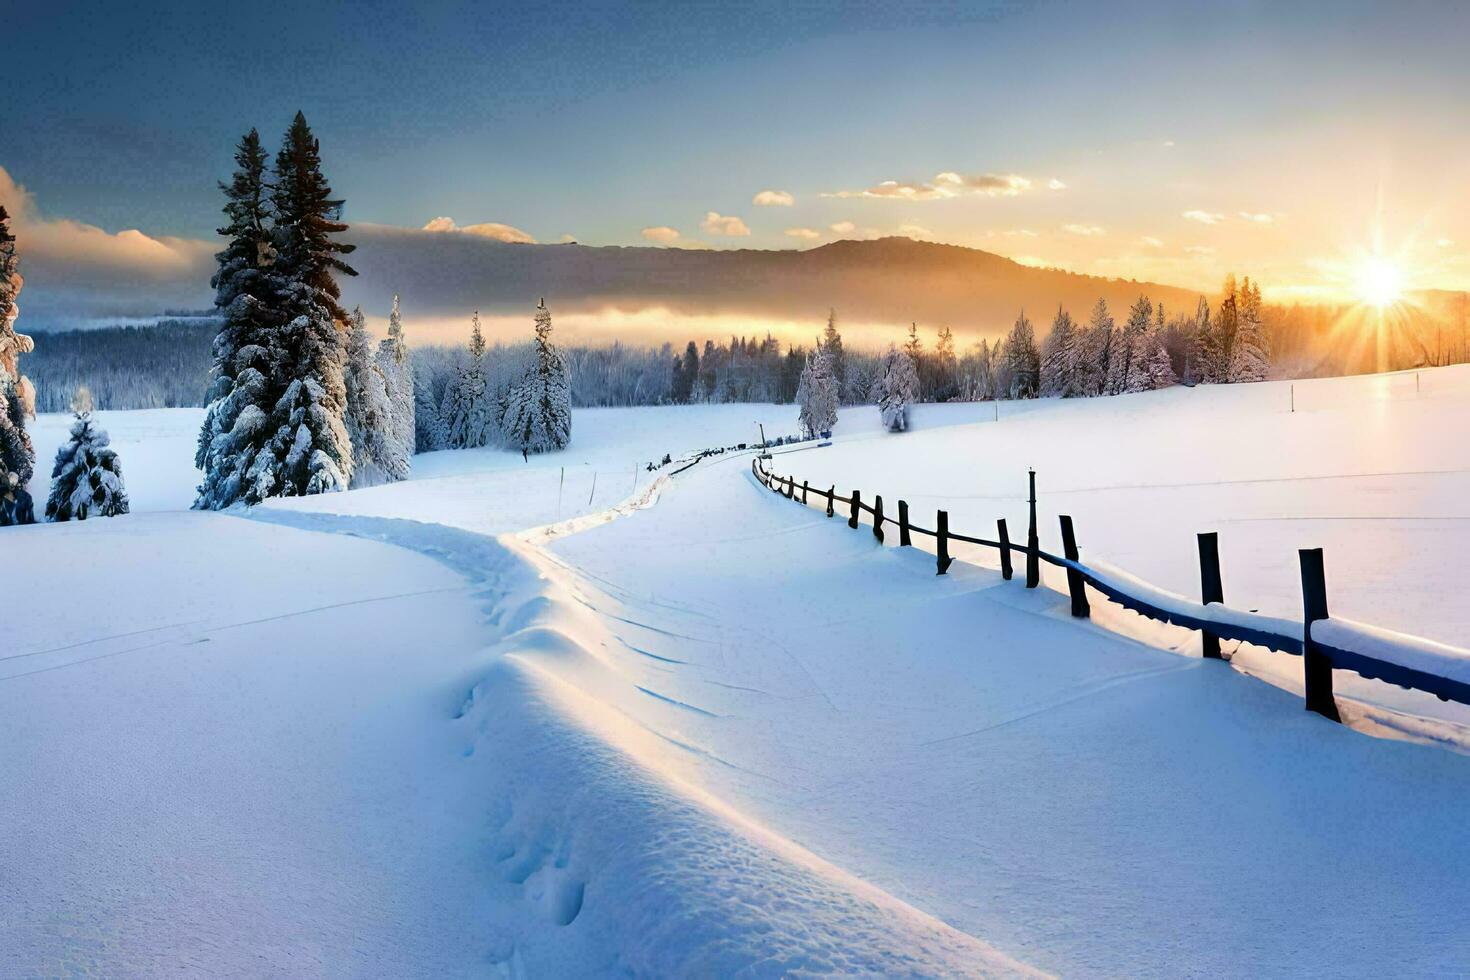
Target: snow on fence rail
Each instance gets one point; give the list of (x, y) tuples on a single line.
[(1324, 643)]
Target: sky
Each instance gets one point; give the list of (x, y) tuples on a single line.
[(1166, 141)]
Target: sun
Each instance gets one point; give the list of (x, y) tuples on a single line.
[(1380, 283)]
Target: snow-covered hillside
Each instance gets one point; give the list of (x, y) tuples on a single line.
[(710, 732)]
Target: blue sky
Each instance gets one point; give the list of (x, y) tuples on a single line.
[(1159, 140)]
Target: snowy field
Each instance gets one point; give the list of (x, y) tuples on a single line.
[(712, 732)]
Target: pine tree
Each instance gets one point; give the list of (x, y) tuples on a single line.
[(470, 414), (898, 388), (538, 415), (398, 442), (17, 397), (312, 448), (1197, 359), (1220, 341), (87, 480), (836, 356), (368, 413), (817, 394), (1136, 337), (1160, 368), (1094, 350), (235, 443), (1249, 358), (944, 386), (1023, 362), (1059, 358)]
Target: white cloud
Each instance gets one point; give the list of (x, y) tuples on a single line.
[(773, 199), (1087, 231), (915, 231), (488, 229), (844, 228), (1258, 218), (715, 223), (945, 185), (806, 234), (1199, 250), (1168, 142), (662, 234), (1151, 241), (74, 267), (1204, 217), (1020, 233), (1056, 185)]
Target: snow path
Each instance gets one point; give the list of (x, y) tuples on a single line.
[(265, 783), (626, 866), (1090, 805)]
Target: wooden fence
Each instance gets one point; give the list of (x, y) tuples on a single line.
[(1324, 644)]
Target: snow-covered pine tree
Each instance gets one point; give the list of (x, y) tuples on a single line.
[(538, 413), (399, 439), (312, 448), (1094, 348), (1138, 333), (1160, 367), (369, 413), (945, 372), (471, 417), (235, 443), (87, 480), (17, 397), (898, 388), (1059, 358), (1249, 357), (816, 394), (1197, 361), (1023, 361), (836, 356), (431, 386)]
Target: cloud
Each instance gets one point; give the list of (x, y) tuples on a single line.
[(915, 231), (715, 223), (773, 199), (73, 268), (1056, 185), (1204, 217), (806, 234), (945, 185), (844, 228), (1151, 241), (489, 229), (1259, 219), (1020, 233), (1199, 250), (1087, 231), (660, 233)]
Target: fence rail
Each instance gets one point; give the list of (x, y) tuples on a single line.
[(1324, 644)]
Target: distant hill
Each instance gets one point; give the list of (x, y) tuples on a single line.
[(890, 280)]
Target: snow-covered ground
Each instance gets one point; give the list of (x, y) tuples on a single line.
[(711, 731)]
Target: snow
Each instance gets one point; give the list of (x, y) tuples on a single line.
[(687, 727)]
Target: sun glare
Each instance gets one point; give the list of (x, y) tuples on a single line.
[(1380, 283)]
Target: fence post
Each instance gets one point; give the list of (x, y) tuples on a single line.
[(1211, 589), (857, 502), (1005, 550), (1316, 665), (803, 491), (790, 488), (878, 518), (831, 492), (942, 535), (1075, 583), (1033, 544), (903, 524)]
